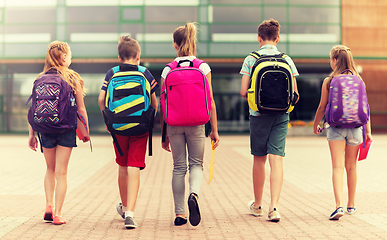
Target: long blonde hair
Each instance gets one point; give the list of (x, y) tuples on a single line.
[(55, 51), (185, 38), (344, 61)]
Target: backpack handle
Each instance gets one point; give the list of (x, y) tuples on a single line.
[(346, 70), (183, 61)]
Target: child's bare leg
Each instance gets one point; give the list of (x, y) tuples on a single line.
[(276, 179), (337, 148), (133, 187), (258, 178), (62, 161), (351, 168), (49, 179), (123, 184)]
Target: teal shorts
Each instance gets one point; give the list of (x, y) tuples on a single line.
[(268, 134)]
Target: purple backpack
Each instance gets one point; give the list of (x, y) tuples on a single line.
[(53, 108), (347, 103)]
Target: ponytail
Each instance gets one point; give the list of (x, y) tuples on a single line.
[(344, 61), (185, 38)]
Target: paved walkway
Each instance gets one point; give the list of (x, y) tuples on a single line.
[(305, 204)]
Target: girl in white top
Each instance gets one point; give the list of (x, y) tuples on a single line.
[(179, 139)]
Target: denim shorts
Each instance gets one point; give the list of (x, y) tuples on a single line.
[(352, 136), (51, 140)]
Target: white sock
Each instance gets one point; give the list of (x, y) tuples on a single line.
[(124, 209), (129, 214)]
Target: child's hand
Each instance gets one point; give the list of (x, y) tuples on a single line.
[(215, 137), (165, 145), (33, 143), (317, 130), (86, 139), (368, 137)]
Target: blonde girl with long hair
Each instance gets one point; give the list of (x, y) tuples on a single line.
[(343, 142), (57, 147), (179, 139)]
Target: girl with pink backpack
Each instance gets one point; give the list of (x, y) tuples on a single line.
[(187, 104), (344, 139)]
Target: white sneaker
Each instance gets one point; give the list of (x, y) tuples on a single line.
[(273, 216), (119, 210), (256, 211)]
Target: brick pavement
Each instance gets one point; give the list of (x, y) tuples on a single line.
[(305, 203)]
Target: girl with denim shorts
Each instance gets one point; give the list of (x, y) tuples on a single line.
[(57, 147), (179, 139), (343, 142)]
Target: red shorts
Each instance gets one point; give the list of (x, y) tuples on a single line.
[(134, 149)]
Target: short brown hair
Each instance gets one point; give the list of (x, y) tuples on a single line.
[(269, 30), (128, 48)]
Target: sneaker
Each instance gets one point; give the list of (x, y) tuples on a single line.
[(119, 210), (351, 210), (337, 214), (273, 216), (48, 214), (256, 211), (58, 220), (130, 223), (193, 207)]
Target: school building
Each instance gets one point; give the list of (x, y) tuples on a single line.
[(228, 29)]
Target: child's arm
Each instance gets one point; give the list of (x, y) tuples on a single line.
[(101, 100), (245, 86), (32, 141), (164, 145), (154, 102), (80, 103), (295, 88), (213, 118), (320, 112)]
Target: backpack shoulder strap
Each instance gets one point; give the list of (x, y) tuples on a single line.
[(116, 69), (172, 65), (141, 69), (255, 54), (197, 62)]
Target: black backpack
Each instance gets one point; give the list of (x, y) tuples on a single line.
[(271, 84)]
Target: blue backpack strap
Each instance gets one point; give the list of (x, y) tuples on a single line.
[(141, 69), (116, 69)]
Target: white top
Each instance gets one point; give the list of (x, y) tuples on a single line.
[(204, 66)]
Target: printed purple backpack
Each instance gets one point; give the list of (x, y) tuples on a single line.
[(347, 102), (53, 108)]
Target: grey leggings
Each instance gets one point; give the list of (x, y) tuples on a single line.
[(182, 139)]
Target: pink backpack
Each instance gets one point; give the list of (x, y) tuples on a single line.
[(185, 95)]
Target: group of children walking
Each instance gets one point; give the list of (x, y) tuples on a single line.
[(132, 88)]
